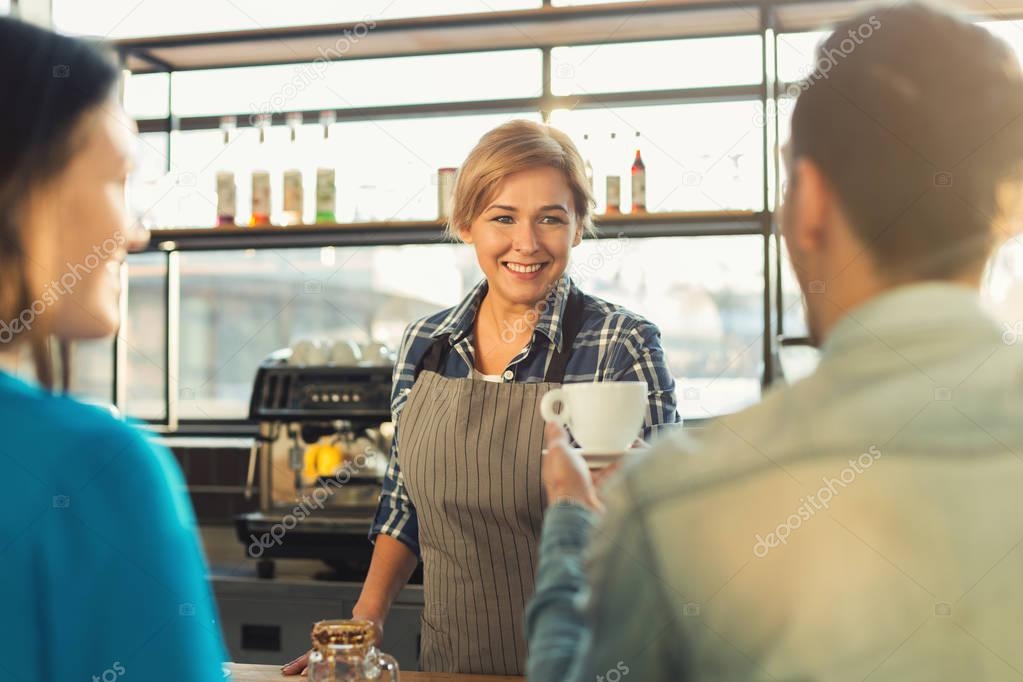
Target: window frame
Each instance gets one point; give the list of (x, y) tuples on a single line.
[(773, 18)]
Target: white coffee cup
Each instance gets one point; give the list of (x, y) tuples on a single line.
[(376, 353), (604, 417), (345, 352)]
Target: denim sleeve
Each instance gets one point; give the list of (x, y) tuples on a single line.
[(607, 622), (640, 358)]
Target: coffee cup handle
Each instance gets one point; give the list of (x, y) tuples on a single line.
[(547, 403)]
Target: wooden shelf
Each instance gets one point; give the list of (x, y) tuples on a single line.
[(515, 106), (697, 223)]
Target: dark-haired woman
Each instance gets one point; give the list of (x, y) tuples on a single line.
[(101, 573)]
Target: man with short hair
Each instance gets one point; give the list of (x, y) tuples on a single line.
[(866, 522)]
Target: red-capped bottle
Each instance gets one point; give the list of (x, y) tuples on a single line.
[(638, 181)]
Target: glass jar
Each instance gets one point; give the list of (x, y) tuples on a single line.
[(345, 651)]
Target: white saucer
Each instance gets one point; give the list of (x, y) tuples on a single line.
[(601, 460)]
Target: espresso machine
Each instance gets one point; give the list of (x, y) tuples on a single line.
[(322, 449)]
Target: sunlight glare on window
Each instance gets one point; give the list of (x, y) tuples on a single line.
[(658, 65)]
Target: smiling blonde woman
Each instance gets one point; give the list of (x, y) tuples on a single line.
[(463, 490)]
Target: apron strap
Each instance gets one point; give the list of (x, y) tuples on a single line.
[(570, 327), (436, 355)]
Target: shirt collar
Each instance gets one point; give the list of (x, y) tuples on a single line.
[(910, 313), (551, 311)]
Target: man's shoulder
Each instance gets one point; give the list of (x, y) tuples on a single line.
[(729, 447)]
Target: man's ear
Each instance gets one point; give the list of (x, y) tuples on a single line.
[(810, 206)]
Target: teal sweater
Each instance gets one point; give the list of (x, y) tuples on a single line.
[(101, 573)]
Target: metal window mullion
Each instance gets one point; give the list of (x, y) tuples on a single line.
[(119, 347), (172, 123), (546, 97), (779, 299), (767, 218), (173, 349)]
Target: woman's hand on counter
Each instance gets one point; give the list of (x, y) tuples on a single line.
[(566, 476), (297, 666)]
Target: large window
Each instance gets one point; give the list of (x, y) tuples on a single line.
[(145, 337), (92, 366), (237, 308), (361, 83), (385, 170), (692, 106), (145, 95), (699, 157), (661, 65), (706, 295)]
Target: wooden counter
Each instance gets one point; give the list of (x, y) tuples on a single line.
[(272, 673)]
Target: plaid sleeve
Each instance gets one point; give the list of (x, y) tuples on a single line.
[(396, 515), (640, 358)]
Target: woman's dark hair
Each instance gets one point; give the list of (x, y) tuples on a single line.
[(914, 117), (47, 83)]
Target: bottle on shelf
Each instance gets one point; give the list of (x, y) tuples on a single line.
[(326, 197), (260, 214), (226, 199), (445, 189), (227, 188), (293, 197), (260, 199), (587, 164), (614, 184), (326, 187), (638, 181)]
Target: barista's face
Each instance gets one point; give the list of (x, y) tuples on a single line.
[(525, 235)]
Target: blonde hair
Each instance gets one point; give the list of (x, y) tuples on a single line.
[(512, 147)]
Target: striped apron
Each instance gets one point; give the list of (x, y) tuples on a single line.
[(470, 457)]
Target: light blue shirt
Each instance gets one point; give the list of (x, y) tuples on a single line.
[(864, 523), (101, 572)]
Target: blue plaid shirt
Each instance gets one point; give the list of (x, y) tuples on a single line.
[(613, 344)]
